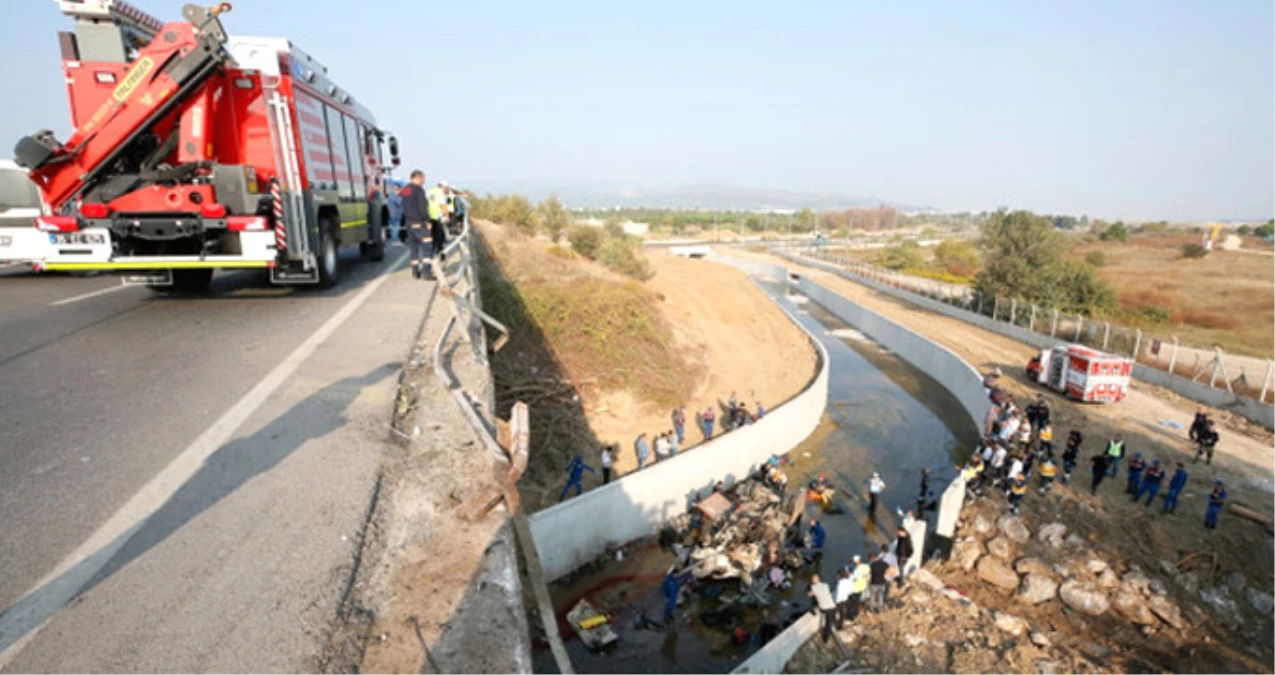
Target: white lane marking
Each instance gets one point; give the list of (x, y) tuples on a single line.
[(22, 621), (92, 294)]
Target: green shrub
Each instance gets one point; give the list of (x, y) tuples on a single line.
[(623, 256), (957, 257), (903, 255), (1266, 229), (1194, 251), (1244, 230), (1118, 231), (1096, 258), (554, 218), (585, 240), (613, 227), (562, 252)]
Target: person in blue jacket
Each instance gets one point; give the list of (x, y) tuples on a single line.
[(670, 589), (1217, 499), (1176, 484), (575, 471)]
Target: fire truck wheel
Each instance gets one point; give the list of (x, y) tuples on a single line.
[(329, 259)]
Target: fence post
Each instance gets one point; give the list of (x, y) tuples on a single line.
[(980, 303), (1080, 324), (1013, 310), (1266, 381), (1031, 321), (996, 306), (1173, 354), (1106, 333), (1053, 324), (1137, 342)]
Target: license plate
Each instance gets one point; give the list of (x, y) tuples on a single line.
[(81, 238), (6, 241)]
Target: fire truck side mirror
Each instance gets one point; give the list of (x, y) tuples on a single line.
[(394, 152)]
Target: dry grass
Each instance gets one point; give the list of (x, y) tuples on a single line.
[(1225, 299)]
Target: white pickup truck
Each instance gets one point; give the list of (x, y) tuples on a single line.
[(20, 205)]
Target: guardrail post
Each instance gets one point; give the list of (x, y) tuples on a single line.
[(1031, 321), (1106, 333), (1266, 381), (1173, 354), (1013, 310), (1053, 326), (1080, 324), (980, 303), (1137, 342), (996, 305)]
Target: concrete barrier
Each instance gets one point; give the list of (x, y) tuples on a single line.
[(1249, 408), (933, 359), (574, 532), (776, 654)]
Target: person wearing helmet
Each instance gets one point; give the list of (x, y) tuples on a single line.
[(1151, 483), (1217, 499), (437, 217)]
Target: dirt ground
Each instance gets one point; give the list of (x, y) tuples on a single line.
[(745, 343), (1131, 532), (724, 332)]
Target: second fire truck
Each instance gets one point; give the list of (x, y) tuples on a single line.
[(195, 151)]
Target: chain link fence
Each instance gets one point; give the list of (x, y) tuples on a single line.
[(1247, 376)]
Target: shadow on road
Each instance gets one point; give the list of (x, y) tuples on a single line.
[(222, 473)]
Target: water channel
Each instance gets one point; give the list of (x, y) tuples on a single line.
[(883, 415)]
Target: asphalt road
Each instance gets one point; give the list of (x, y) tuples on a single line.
[(184, 478)]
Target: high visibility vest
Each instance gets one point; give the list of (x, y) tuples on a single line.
[(437, 201), (1115, 448), (1046, 434), (1018, 488), (1049, 470), (859, 578)]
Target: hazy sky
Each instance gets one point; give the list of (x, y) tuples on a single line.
[(1118, 109)]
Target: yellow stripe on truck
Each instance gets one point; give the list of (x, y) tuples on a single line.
[(353, 223), (141, 265)]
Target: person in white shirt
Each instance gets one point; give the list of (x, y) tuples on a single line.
[(608, 460), (845, 586), (875, 487), (823, 601), (661, 447), (998, 464)]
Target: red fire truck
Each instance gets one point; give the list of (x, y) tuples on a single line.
[(1082, 373), (195, 151)]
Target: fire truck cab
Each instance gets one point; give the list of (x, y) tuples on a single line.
[(1082, 373), (195, 151)]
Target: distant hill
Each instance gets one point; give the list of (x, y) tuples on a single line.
[(705, 196)]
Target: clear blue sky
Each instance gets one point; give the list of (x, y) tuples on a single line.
[(1116, 109)]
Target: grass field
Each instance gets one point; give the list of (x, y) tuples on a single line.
[(1226, 298)]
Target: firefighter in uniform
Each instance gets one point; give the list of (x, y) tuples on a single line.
[(1136, 465), (1048, 472), (1175, 488), (1017, 488), (1151, 482)]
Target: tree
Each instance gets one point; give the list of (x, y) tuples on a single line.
[(805, 220), (1096, 258), (1118, 231), (957, 256), (613, 227), (517, 210), (1017, 247), (1074, 287), (1265, 230), (585, 240), (1244, 230), (553, 217), (903, 255)]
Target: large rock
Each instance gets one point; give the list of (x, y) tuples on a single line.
[(1166, 610), (1009, 623), (925, 578), (1013, 527), (995, 572), (1131, 606), (1034, 566), (1236, 582), (1096, 565), (1052, 534), (966, 552), (1001, 548), (1264, 603), (1083, 598), (1108, 579), (1037, 588), (981, 525), (1189, 581), (1220, 599), (1136, 581)]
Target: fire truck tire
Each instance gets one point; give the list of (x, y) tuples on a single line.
[(329, 258), (374, 251)]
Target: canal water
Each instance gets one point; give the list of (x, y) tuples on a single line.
[(883, 415)]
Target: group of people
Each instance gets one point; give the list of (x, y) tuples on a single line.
[(1020, 441), (426, 212), (864, 584), (737, 415)]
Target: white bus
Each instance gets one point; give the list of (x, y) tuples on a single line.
[(20, 205)]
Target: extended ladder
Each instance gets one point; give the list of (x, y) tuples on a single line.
[(298, 246)]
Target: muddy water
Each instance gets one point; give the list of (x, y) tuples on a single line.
[(883, 415)]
